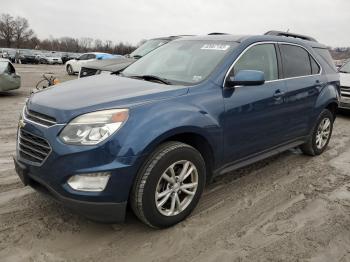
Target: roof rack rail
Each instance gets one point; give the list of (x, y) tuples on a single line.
[(217, 33), (287, 34), (177, 36)]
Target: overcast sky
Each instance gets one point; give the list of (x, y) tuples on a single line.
[(133, 20)]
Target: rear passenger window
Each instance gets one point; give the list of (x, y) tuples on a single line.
[(315, 68), (260, 57), (324, 53), (295, 60)]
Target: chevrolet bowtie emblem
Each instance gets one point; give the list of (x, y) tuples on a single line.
[(21, 123)]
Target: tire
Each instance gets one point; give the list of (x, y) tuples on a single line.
[(69, 70), (313, 146), (150, 182)]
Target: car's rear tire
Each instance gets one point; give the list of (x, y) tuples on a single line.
[(69, 69), (162, 195), (321, 134)]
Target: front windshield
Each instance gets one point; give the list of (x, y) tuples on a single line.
[(182, 62), (147, 47), (345, 68)]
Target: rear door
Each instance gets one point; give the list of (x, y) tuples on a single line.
[(303, 80), (255, 117)]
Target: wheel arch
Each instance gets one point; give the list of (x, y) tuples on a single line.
[(328, 99), (194, 138), (333, 108)]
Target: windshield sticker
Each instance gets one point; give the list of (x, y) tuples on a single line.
[(197, 78), (215, 47)]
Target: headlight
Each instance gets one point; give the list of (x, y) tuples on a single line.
[(93, 128)]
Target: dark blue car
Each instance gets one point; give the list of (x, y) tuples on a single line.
[(153, 135)]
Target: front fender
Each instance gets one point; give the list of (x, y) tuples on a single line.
[(149, 125)]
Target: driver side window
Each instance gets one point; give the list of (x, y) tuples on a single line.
[(83, 57), (260, 57)]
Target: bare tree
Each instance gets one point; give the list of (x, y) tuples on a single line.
[(7, 31), (98, 45), (22, 32), (16, 31), (85, 43)]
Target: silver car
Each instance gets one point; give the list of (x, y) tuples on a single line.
[(9, 80)]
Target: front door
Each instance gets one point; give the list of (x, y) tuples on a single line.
[(255, 117)]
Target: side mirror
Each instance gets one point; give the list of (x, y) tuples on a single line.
[(77, 58), (246, 78), (99, 58)]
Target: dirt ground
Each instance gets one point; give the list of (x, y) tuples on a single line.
[(287, 208)]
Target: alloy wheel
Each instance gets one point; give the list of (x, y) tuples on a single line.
[(176, 188), (323, 133)]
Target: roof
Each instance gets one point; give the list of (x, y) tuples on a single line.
[(255, 38)]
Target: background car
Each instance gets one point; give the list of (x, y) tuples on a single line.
[(69, 56), (73, 66), (113, 65), (344, 72), (25, 56), (51, 59), (9, 80)]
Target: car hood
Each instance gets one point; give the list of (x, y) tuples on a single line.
[(70, 99), (112, 65), (344, 79)]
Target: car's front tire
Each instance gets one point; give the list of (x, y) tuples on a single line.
[(321, 134), (69, 69), (169, 185)]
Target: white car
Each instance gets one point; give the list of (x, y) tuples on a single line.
[(344, 72), (73, 66), (9, 80), (53, 59)]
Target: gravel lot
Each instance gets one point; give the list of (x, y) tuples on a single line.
[(287, 208)]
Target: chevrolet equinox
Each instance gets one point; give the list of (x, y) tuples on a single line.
[(150, 137)]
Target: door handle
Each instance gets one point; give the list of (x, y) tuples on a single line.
[(278, 94)]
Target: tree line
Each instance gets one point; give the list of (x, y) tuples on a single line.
[(15, 32)]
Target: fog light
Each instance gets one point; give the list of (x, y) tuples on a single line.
[(95, 182)]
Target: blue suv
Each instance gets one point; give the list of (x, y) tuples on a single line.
[(154, 134)]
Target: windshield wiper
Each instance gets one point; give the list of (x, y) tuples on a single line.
[(137, 56), (153, 78), (340, 71)]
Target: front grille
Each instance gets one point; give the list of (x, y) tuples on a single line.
[(32, 147), (39, 118), (345, 91), (84, 72)]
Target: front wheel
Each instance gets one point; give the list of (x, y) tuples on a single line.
[(321, 134), (169, 185), (70, 70)]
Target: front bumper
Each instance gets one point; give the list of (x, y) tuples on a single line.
[(106, 212), (64, 161), (344, 103)]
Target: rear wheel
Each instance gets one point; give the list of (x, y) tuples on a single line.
[(169, 185), (321, 135)]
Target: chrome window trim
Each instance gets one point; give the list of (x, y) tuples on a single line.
[(272, 42)]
